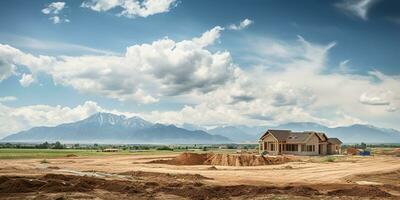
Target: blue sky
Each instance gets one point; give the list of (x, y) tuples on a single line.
[(192, 62)]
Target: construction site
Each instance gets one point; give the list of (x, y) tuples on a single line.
[(198, 175)]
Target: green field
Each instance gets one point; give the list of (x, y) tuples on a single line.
[(57, 153)]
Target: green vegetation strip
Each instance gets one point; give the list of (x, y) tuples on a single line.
[(57, 153)]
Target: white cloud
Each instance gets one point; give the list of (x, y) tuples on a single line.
[(358, 8), (242, 25), (295, 88), (26, 80), (7, 98), (54, 46), (145, 73), (55, 19), (16, 119), (377, 99), (54, 9), (131, 8), (290, 85)]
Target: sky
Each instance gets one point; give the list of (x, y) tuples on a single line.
[(208, 63)]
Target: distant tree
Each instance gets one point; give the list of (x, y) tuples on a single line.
[(204, 148), (58, 145), (164, 148), (363, 145), (44, 145)]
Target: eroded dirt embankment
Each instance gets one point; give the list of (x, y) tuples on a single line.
[(149, 185), (224, 159)]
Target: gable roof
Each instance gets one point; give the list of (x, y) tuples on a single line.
[(322, 136), (280, 135), (334, 141), (298, 137)]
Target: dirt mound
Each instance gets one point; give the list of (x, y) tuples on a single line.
[(190, 159), (352, 151), (360, 191), (224, 159), (242, 191), (243, 160), (20, 185)]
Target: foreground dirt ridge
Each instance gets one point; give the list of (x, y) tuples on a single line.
[(146, 185)]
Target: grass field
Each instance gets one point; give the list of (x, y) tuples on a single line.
[(57, 153), (13, 153)]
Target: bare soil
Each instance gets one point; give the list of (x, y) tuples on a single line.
[(144, 185), (141, 177), (223, 159)]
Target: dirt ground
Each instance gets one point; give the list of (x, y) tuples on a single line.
[(138, 177)]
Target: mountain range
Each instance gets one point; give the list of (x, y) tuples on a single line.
[(356, 133), (110, 128)]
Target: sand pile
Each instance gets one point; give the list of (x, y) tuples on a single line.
[(190, 159), (224, 159)]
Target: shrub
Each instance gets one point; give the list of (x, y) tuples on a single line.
[(165, 148), (330, 159), (44, 161)]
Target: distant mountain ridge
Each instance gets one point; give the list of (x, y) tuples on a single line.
[(110, 128)]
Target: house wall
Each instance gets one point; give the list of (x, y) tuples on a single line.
[(265, 144), (323, 148), (314, 140), (334, 149)]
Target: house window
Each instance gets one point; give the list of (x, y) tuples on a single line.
[(272, 147), (310, 148), (303, 147), (292, 147)]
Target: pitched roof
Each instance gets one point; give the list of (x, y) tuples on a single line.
[(334, 141), (298, 137), (322, 136), (280, 135)]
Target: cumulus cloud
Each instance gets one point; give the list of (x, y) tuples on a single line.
[(16, 119), (54, 9), (131, 8), (288, 86), (7, 98), (242, 25), (378, 99), (358, 8), (296, 88), (26, 80), (145, 73)]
